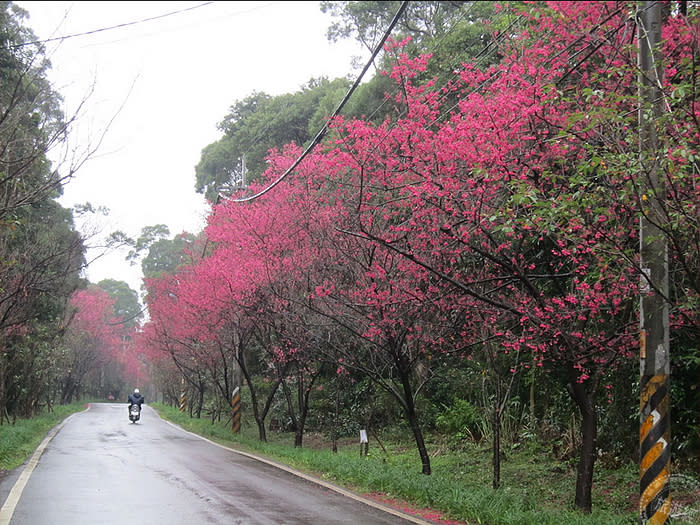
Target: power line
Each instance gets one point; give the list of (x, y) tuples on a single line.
[(126, 24), (323, 130)]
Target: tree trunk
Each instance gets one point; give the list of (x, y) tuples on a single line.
[(335, 417), (496, 447), (290, 406), (533, 416), (262, 433), (2, 391), (412, 416), (200, 399), (302, 401), (299, 436), (583, 395), (258, 415), (302, 405), (259, 419), (304, 392), (68, 391), (418, 435)]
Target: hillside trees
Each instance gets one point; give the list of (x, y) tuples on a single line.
[(158, 254), (126, 301), (425, 22), (453, 33), (167, 255)]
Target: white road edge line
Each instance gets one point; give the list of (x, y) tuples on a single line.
[(307, 477), (8, 509)]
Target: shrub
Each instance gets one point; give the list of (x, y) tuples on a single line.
[(461, 419)]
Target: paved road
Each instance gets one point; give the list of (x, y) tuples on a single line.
[(99, 469)]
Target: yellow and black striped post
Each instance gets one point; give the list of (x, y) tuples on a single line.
[(182, 396), (236, 407), (655, 453)]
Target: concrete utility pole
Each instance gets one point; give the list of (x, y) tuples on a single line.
[(655, 425)]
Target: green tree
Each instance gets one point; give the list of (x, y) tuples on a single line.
[(167, 255), (41, 254), (367, 21), (126, 301), (261, 123), (31, 119), (454, 33)]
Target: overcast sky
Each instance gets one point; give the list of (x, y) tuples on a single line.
[(166, 83)]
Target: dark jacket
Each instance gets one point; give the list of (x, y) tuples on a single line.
[(135, 399)]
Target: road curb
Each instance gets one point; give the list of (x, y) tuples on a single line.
[(307, 477)]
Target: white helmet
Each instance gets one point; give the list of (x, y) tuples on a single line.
[(136, 390)]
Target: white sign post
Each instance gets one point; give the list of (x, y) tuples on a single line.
[(364, 443)]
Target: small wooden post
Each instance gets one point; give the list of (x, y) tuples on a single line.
[(236, 406)]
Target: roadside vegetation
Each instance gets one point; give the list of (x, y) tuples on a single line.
[(19, 439)]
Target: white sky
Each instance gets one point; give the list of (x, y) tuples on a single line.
[(176, 78)]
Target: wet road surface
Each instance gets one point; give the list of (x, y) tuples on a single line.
[(99, 469)]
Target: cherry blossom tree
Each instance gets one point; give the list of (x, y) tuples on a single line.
[(506, 221), (263, 253), (93, 339), (504, 199)]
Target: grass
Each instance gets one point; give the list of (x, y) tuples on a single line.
[(536, 488), (19, 440)]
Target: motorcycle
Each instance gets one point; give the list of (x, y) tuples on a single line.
[(134, 413)]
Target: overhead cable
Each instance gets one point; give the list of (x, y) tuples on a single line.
[(126, 24), (323, 130)]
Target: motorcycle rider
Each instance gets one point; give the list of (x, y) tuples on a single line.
[(135, 398)]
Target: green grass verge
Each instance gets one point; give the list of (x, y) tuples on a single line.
[(535, 487), (19, 440)]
